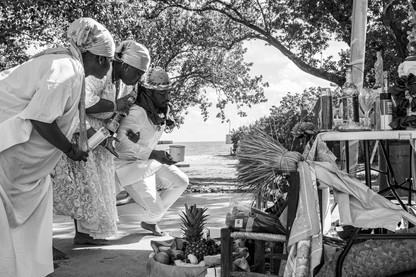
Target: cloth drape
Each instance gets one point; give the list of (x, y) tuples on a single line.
[(358, 205)]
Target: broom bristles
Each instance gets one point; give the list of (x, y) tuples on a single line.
[(262, 161)]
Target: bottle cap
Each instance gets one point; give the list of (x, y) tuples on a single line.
[(326, 92), (385, 96)]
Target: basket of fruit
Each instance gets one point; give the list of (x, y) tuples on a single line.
[(191, 255)]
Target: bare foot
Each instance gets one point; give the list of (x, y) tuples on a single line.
[(123, 198), (152, 228), (58, 255), (82, 238)]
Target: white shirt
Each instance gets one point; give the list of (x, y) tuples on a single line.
[(133, 162)]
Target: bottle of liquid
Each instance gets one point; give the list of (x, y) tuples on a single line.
[(326, 110), (98, 137), (349, 94), (386, 105), (113, 123), (376, 108)]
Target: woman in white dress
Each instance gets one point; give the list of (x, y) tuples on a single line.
[(39, 102), (86, 191)]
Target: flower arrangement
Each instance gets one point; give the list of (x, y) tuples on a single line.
[(404, 96)]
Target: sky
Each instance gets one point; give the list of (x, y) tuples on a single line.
[(281, 74)]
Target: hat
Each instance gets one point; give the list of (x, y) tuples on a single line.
[(134, 54), (156, 78)]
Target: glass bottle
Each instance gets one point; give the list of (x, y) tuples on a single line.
[(98, 137), (386, 105), (349, 94), (113, 123), (326, 110)]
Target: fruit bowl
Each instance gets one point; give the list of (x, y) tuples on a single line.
[(189, 255)]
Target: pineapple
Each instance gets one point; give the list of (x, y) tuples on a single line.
[(193, 223)]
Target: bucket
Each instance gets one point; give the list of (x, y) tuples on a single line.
[(177, 152)]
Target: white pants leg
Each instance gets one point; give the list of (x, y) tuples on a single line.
[(151, 204)]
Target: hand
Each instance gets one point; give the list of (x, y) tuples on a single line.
[(110, 145), (123, 104), (76, 154), (162, 157), (134, 137)]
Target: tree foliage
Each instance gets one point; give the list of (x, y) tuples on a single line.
[(293, 108), (189, 46), (302, 30)]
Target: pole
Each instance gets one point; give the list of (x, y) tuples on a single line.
[(358, 38)]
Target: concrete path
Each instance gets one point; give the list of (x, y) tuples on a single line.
[(127, 254)]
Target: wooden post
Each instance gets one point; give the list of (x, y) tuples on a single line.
[(226, 252)]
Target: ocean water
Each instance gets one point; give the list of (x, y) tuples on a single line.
[(207, 159), (205, 148)]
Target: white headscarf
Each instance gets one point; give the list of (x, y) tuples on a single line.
[(86, 34), (134, 54)]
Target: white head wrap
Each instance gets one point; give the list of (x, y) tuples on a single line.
[(134, 54), (86, 34)]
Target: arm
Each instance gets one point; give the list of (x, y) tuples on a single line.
[(52, 133), (122, 105), (162, 157), (102, 106)]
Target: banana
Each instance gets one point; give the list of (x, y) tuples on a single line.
[(164, 248), (181, 263)]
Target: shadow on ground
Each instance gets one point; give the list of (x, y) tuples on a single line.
[(127, 254)]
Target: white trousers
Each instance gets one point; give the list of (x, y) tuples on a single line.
[(154, 195)]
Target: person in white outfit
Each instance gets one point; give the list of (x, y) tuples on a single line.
[(40, 102), (149, 176)]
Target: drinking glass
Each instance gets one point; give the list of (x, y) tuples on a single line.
[(366, 99)]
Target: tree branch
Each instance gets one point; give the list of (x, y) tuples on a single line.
[(267, 37), (264, 17)]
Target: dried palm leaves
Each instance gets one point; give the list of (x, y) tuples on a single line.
[(262, 161)]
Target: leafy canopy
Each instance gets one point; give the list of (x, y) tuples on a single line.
[(192, 47), (303, 30)]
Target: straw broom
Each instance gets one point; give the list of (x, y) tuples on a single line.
[(262, 162)]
